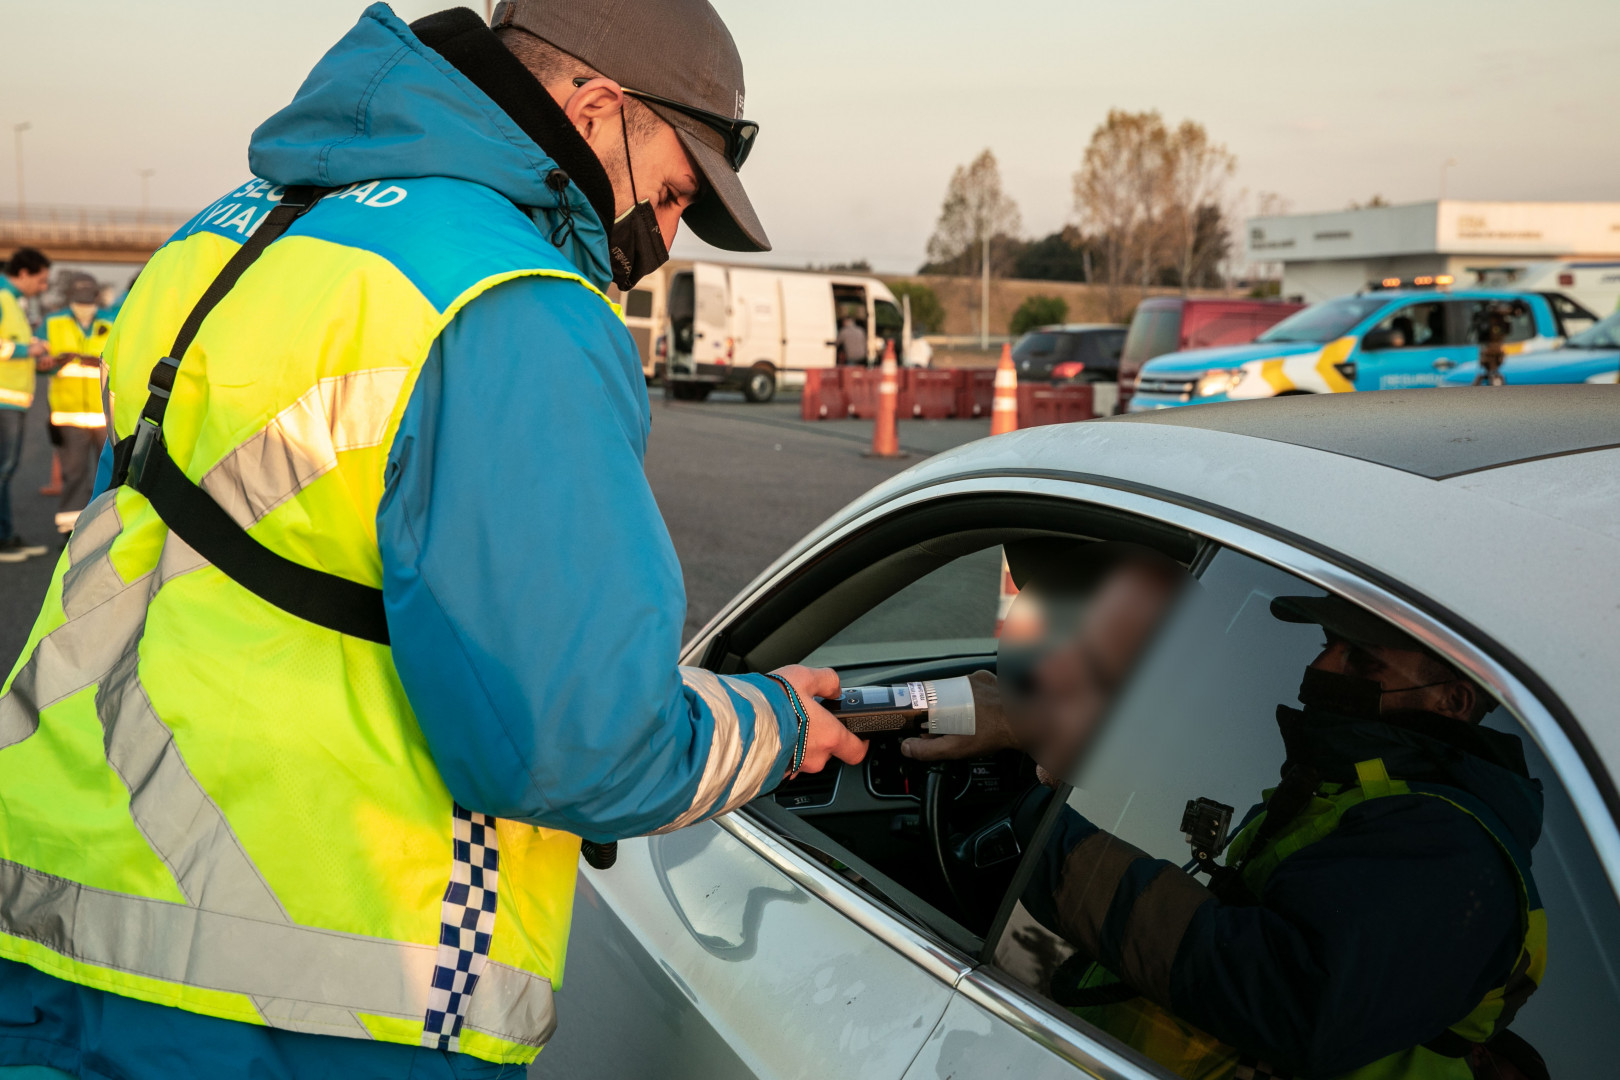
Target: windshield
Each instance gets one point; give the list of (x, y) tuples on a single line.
[(1324, 322), (1605, 335), (1155, 331), (1031, 346)]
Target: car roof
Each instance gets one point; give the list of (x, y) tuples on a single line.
[(1497, 507), (1404, 429), (1075, 328)]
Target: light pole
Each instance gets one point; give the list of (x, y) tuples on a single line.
[(1449, 162), (984, 297), (489, 11), (145, 175), (17, 130)]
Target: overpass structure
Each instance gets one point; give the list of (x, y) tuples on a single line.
[(105, 234)]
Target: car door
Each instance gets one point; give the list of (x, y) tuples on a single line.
[(719, 953), (1412, 346), (711, 325), (809, 325)]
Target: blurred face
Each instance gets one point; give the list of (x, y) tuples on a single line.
[(32, 284), (1410, 680), (1075, 683)]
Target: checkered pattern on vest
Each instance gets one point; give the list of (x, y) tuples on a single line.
[(466, 923)]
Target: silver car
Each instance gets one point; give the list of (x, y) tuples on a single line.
[(811, 934)]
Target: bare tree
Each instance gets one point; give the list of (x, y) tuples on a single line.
[(1197, 174), (1119, 194), (975, 212)]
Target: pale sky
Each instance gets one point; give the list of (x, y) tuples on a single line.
[(866, 107)]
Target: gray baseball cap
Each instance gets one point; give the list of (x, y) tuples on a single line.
[(674, 49)]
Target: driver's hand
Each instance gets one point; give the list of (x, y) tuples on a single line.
[(991, 733), (825, 738)]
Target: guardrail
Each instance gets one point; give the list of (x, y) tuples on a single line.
[(88, 227)]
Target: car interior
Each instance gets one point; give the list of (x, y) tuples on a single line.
[(937, 844), (918, 595)]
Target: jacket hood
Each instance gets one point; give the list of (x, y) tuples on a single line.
[(382, 105), (1225, 356), (1420, 747)]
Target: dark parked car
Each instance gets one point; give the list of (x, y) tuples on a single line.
[(1087, 352)]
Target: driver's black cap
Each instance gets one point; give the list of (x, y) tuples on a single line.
[(1343, 619), (677, 49)]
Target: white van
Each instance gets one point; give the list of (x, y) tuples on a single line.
[(753, 330)]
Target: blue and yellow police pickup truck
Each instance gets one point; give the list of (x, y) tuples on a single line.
[(1399, 335)]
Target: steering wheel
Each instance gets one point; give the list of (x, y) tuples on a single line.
[(978, 867)]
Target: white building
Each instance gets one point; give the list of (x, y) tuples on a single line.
[(1328, 255)]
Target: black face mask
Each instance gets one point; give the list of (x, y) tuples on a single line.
[(636, 243), (1342, 695)]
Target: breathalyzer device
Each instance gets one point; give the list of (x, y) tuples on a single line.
[(933, 707)]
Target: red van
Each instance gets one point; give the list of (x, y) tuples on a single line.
[(1170, 324)]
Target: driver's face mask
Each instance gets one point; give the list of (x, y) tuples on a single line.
[(636, 243), (1342, 695)]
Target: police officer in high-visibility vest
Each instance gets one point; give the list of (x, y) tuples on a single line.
[(376, 617), (76, 335), (26, 274), (1375, 916)]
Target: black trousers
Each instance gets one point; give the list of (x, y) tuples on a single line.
[(81, 452)]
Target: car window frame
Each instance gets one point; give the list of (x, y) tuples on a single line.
[(1533, 704)]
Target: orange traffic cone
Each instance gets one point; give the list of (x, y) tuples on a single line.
[(1004, 413), (886, 432), (1009, 591)]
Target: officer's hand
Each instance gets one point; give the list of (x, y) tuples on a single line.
[(38, 350), (991, 732), (825, 738)]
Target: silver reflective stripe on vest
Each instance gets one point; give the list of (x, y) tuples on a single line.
[(511, 1004), (301, 978), (232, 934), (302, 442)]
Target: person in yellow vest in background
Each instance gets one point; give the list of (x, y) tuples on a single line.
[(76, 336), (27, 273)]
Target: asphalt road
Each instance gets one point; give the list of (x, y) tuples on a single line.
[(23, 585), (738, 485)]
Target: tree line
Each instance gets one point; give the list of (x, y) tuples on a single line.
[(1150, 209)]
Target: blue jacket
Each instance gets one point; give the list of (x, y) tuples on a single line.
[(534, 598), (1369, 941)]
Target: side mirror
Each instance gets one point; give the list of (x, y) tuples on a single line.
[(1378, 339)]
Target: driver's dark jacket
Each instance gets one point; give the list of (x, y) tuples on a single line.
[(1367, 942)]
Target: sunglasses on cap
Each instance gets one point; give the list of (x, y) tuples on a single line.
[(739, 134)]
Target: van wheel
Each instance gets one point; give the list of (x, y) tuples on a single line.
[(761, 385), (688, 391)]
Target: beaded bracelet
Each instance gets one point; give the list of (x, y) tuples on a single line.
[(796, 760)]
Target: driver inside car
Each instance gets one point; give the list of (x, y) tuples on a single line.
[(1374, 915)]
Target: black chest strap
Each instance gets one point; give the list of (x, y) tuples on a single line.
[(142, 462)]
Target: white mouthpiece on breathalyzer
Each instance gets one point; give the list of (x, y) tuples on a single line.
[(950, 705)]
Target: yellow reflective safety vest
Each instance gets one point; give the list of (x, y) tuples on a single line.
[(75, 391), (1196, 1055), (16, 367), (210, 803)]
